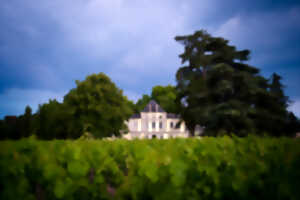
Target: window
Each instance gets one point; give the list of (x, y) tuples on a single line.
[(135, 124), (153, 108), (171, 124), (178, 125), (153, 124), (160, 125)]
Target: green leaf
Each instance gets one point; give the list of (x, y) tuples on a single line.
[(77, 168), (178, 171), (59, 189)]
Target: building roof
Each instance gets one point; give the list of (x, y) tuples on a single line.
[(135, 116), (172, 116), (152, 106), (10, 119)]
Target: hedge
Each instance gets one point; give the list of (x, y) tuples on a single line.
[(207, 168)]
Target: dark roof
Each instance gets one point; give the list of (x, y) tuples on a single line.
[(152, 106), (172, 116), (135, 116), (10, 119)]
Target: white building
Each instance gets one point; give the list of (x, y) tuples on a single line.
[(154, 122)]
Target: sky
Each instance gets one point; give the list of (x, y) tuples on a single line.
[(46, 45)]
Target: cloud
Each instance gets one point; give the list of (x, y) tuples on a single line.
[(269, 34), (273, 38), (77, 38), (14, 100), (105, 28), (133, 41)]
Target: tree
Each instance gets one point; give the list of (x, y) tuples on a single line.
[(4, 130), (16, 127), (219, 91), (9, 128), (141, 103), (293, 124), (99, 106), (165, 96), (26, 122), (272, 114), (54, 121)]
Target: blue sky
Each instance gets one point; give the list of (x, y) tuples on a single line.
[(46, 45)]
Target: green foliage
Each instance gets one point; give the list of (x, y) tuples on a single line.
[(14, 127), (98, 105), (27, 122), (219, 91), (165, 96), (141, 103), (86, 136), (54, 120), (5, 130), (209, 168)]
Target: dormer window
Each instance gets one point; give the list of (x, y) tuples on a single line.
[(153, 108)]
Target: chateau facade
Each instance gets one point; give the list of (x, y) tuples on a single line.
[(154, 122)]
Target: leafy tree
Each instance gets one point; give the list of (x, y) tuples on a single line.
[(222, 93), (25, 122), (95, 106), (165, 96), (141, 103), (54, 120), (11, 128), (98, 105), (4, 130)]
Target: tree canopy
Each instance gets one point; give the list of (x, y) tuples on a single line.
[(141, 103), (98, 105), (218, 90), (54, 120), (165, 96), (16, 127), (215, 89)]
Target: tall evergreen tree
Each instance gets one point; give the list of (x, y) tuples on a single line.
[(219, 91)]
